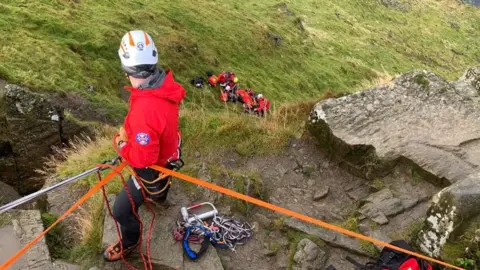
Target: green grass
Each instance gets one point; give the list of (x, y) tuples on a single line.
[(56, 246), (5, 219), (463, 248), (369, 248), (410, 233), (351, 224), (416, 177), (63, 45), (83, 155), (87, 252), (378, 183)]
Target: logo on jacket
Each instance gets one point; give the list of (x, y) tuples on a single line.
[(143, 138)]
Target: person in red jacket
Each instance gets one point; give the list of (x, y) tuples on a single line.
[(229, 83), (247, 100), (149, 136), (263, 105)]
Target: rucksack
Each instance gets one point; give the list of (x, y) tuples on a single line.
[(197, 82), (390, 259)]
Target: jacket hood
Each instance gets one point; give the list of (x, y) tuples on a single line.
[(163, 87)]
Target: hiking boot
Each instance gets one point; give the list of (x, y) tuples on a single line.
[(113, 252)]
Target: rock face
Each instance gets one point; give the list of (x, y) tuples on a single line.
[(27, 224), (380, 205), (8, 194), (450, 210), (309, 256), (408, 119), (419, 120), (22, 227), (29, 127)]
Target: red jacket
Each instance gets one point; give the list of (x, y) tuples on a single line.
[(245, 98), (225, 77), (152, 124), (263, 105)]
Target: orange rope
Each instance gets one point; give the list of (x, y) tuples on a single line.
[(228, 192), (296, 215), (89, 194)]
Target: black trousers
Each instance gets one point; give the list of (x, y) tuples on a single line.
[(122, 208)]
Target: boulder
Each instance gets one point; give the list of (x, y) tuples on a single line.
[(449, 213), (330, 237), (320, 193), (469, 84), (309, 256), (29, 127), (17, 229), (7, 194), (380, 205), (406, 120)]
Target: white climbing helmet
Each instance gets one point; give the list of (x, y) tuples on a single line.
[(260, 96), (138, 54)]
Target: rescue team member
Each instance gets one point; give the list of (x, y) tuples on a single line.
[(229, 82), (247, 100), (149, 136), (263, 105)]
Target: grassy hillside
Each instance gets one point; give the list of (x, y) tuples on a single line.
[(63, 45)]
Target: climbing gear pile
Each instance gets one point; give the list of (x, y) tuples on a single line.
[(221, 231)]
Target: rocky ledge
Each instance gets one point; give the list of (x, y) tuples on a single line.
[(419, 119)]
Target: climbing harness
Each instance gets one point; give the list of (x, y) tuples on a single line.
[(132, 203), (41, 192)]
